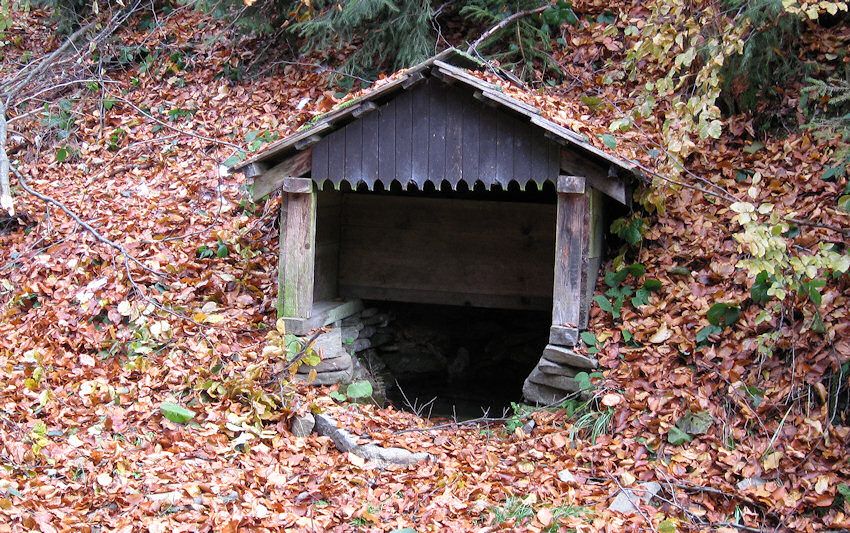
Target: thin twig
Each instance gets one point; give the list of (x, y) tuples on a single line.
[(503, 24)]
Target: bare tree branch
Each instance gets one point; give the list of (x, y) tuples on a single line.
[(504, 24)]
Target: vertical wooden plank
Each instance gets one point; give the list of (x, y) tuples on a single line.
[(569, 248), (487, 145), (471, 121), (437, 136), (454, 137), (403, 138), (539, 157), (336, 156), (370, 147), (553, 164), (522, 152), (297, 255), (504, 149), (354, 152), (593, 241), (319, 163), (420, 137), (386, 144)]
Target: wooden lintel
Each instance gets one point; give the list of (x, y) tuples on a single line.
[(362, 109), (324, 313), (272, 179), (297, 185), (309, 141), (571, 184), (598, 176)]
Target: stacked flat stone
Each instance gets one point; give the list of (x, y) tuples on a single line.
[(336, 365), (554, 376), (339, 345)]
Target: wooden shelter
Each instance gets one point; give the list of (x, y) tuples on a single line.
[(431, 188)]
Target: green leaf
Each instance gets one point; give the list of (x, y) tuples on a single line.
[(652, 285), (641, 298), (589, 338), (832, 173), (338, 396), (677, 437), (844, 490), (176, 413), (583, 380), (222, 250), (62, 155), (593, 102), (359, 389), (706, 332), (636, 269), (844, 203), (758, 292), (723, 314), (695, 423), (609, 140), (604, 303)]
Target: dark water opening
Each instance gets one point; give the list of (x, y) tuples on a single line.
[(453, 361)]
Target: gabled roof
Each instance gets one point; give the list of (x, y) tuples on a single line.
[(451, 66)]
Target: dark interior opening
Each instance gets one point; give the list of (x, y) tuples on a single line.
[(454, 361)]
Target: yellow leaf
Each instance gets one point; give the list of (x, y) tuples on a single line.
[(526, 467), (280, 326), (771, 461), (661, 335), (214, 319)]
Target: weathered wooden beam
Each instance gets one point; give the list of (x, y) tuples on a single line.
[(324, 313), (309, 141), (297, 255), (598, 176), (362, 109), (415, 78), (254, 169), (571, 184), (569, 256), (272, 179), (297, 185)]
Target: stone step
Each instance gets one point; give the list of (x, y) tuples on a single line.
[(557, 369), (541, 394), (562, 383), (329, 365), (328, 378), (559, 354)]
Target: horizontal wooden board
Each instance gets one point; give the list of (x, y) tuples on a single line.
[(432, 250)]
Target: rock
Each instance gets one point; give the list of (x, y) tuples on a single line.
[(366, 332), (302, 425), (541, 394), (328, 378), (329, 365), (381, 338), (559, 354), (627, 499), (381, 320), (459, 364), (349, 334), (353, 321), (369, 312), (412, 363), (377, 455), (550, 367), (329, 345), (360, 344), (562, 383)]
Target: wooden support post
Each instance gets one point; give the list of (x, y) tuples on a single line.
[(297, 254), (570, 248)]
